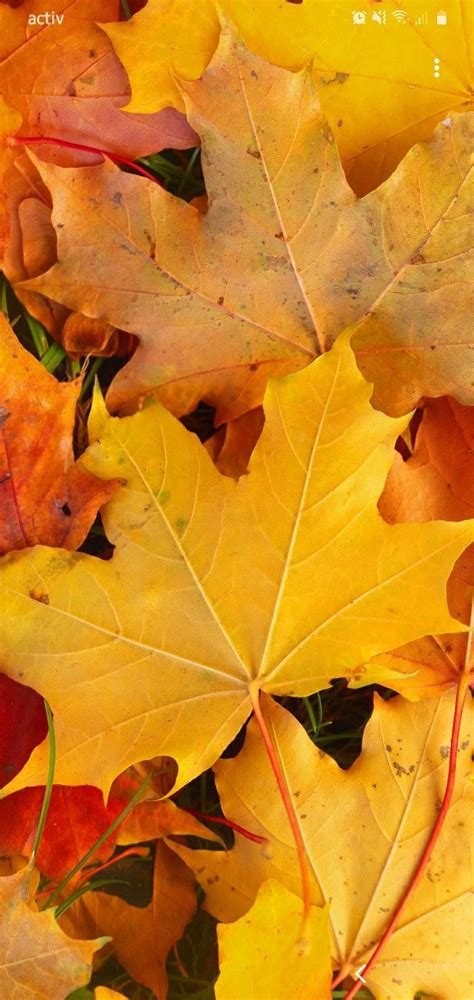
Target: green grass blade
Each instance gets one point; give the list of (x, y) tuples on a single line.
[(52, 357), (3, 299), (87, 888), (38, 335), (94, 368), (49, 783), (189, 169)]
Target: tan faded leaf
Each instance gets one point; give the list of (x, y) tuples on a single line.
[(288, 578), (285, 258), (364, 830), (37, 959), (261, 955)]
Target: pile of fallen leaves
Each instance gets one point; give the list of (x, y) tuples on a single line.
[(249, 546)]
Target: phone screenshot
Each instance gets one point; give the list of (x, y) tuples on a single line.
[(236, 499)]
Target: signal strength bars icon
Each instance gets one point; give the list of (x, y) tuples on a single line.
[(400, 15), (422, 19)]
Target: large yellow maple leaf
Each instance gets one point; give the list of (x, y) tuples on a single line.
[(216, 588), (376, 82), (364, 831), (284, 260)]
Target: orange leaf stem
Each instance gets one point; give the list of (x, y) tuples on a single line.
[(286, 799), (29, 140), (462, 688), (228, 822)]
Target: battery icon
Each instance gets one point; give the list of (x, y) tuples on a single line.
[(441, 17)]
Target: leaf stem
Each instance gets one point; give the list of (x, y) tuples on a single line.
[(49, 782), (30, 140), (286, 799), (228, 822), (462, 689)]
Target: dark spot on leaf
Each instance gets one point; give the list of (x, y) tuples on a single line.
[(253, 368), (220, 300), (4, 415), (117, 198), (92, 53), (39, 595), (71, 90), (254, 152), (253, 73), (339, 123), (279, 236), (66, 510), (388, 748)]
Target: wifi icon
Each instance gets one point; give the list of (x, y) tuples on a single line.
[(400, 15)]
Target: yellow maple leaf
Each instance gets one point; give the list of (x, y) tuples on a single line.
[(376, 82), (216, 588), (286, 579), (364, 830), (261, 957)]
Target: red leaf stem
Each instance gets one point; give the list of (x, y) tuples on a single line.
[(462, 689), (228, 822), (29, 140), (286, 799)]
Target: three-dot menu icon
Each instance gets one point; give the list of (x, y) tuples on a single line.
[(436, 67)]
